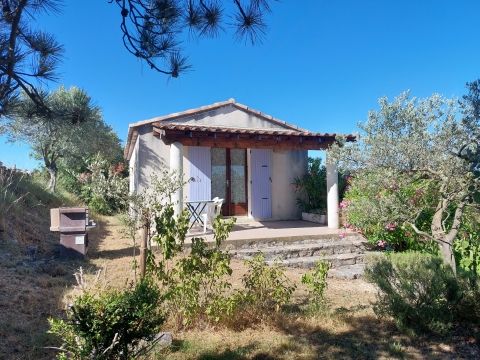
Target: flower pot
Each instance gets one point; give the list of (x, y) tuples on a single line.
[(316, 218)]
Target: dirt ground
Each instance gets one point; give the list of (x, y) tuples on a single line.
[(34, 287)]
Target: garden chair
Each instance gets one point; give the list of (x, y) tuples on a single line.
[(213, 209)]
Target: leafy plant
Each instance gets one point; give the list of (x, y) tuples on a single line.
[(467, 246), (110, 325), (373, 202), (104, 187), (316, 283), (312, 187), (418, 290), (196, 285), (267, 288), (426, 145)]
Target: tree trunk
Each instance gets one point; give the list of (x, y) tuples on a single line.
[(446, 249), (444, 240), (143, 250), (52, 182)]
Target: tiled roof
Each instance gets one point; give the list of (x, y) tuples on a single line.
[(164, 122), (231, 130)]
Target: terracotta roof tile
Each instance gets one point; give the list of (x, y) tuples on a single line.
[(161, 122)]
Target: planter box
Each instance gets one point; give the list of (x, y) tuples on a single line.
[(316, 218)]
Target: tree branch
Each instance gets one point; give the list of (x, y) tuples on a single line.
[(420, 232)]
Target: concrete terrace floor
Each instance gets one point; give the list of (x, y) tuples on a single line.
[(249, 231)]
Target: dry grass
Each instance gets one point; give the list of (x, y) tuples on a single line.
[(349, 329), (32, 279)]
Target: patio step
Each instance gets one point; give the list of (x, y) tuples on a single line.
[(335, 260), (305, 248), (346, 256), (255, 243)]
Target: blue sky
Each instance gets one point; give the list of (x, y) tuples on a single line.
[(322, 66)]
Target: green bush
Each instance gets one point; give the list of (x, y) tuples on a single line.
[(267, 288), (468, 311), (110, 325), (373, 204), (312, 187), (467, 246), (196, 285), (316, 283), (104, 187), (418, 290)]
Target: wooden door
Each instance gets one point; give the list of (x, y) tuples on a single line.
[(229, 179)]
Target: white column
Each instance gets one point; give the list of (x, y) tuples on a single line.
[(176, 166), (332, 195)]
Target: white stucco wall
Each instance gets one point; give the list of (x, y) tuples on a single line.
[(153, 156), (286, 166)]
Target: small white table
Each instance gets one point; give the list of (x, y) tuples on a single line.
[(196, 208)]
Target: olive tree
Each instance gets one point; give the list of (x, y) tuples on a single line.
[(421, 142), (74, 130)]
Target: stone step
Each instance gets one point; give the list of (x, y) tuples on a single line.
[(302, 249), (288, 240), (335, 260)]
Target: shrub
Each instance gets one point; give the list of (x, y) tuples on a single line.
[(312, 187), (196, 285), (373, 203), (467, 246), (267, 288), (110, 325), (316, 283), (469, 307), (104, 187), (418, 290)]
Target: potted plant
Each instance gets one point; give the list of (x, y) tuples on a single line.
[(312, 190)]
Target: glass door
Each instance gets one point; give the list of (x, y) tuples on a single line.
[(229, 179)]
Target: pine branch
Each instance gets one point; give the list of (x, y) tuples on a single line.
[(151, 30)]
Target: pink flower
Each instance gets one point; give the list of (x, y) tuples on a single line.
[(348, 226), (391, 226), (342, 235), (382, 244), (344, 204)]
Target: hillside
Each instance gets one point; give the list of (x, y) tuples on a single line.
[(32, 278)]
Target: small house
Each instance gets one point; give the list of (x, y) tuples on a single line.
[(233, 152)]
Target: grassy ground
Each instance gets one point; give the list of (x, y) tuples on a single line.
[(35, 287)]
